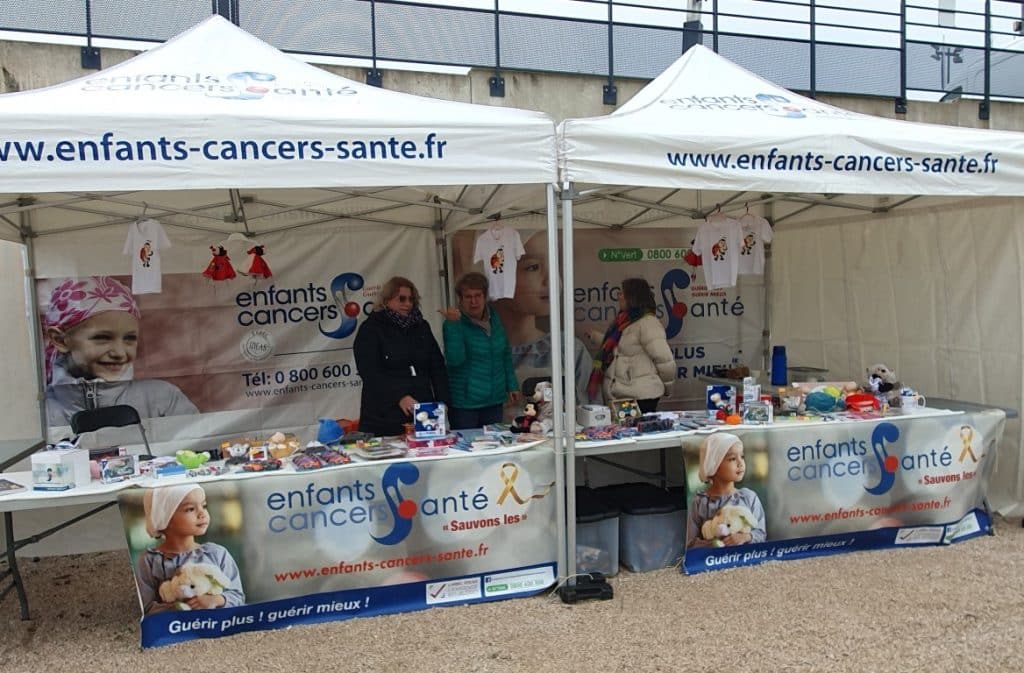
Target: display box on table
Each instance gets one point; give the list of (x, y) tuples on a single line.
[(429, 419), (60, 469)]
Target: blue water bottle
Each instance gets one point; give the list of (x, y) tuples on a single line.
[(779, 370)]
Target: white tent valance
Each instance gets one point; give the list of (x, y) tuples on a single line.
[(706, 123), (216, 107)]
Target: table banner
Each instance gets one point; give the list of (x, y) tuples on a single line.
[(362, 540), (837, 487)]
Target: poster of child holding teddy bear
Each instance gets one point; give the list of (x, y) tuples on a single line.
[(722, 515), (180, 573)]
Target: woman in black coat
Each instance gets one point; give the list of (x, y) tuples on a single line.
[(398, 359)]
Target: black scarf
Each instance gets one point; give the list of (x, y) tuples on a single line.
[(405, 322)]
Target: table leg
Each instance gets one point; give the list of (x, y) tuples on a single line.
[(12, 566)]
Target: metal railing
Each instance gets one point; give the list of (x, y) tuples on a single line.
[(880, 48)]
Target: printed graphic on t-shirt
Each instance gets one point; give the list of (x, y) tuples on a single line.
[(719, 249), (146, 253), (749, 241), (498, 261)]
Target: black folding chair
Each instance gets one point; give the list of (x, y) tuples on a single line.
[(117, 416)]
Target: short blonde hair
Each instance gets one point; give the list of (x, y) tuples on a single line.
[(390, 289)]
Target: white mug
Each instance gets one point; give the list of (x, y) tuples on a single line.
[(912, 402)]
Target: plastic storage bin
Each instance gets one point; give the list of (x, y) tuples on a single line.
[(652, 525), (597, 533)]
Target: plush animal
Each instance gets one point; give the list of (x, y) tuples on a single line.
[(525, 422), (191, 580), (542, 397), (191, 459), (726, 521), (882, 382)]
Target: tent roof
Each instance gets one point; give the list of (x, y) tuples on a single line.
[(218, 108), (706, 123)]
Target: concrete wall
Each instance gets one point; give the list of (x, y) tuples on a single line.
[(29, 65)]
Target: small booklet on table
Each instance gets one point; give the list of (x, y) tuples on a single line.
[(8, 486)]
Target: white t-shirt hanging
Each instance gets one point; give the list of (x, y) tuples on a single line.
[(499, 248), (755, 231), (718, 243), (146, 238)]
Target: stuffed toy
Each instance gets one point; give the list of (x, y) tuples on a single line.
[(190, 459), (542, 397), (726, 521), (882, 382), (191, 580), (524, 422)]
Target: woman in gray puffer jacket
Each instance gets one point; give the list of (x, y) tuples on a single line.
[(635, 360)]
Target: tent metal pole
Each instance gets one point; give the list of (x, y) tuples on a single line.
[(673, 210), (20, 205), (158, 209), (444, 278), (568, 381), (766, 332), (9, 223), (563, 570), (407, 202), (32, 304)]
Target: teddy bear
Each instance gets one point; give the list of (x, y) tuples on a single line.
[(882, 382), (726, 521), (191, 580), (542, 397)]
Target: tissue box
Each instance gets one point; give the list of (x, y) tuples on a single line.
[(430, 419), (60, 469), (593, 415)]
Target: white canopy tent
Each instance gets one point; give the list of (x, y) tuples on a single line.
[(707, 133), (216, 132)]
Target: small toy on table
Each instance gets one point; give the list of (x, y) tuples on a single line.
[(281, 445), (625, 412), (882, 382), (523, 423), (543, 397), (430, 419), (190, 460), (114, 469), (721, 401)]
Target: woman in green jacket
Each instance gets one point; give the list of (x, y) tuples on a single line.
[(478, 357)]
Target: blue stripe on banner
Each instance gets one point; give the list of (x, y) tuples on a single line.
[(173, 627), (976, 522)]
